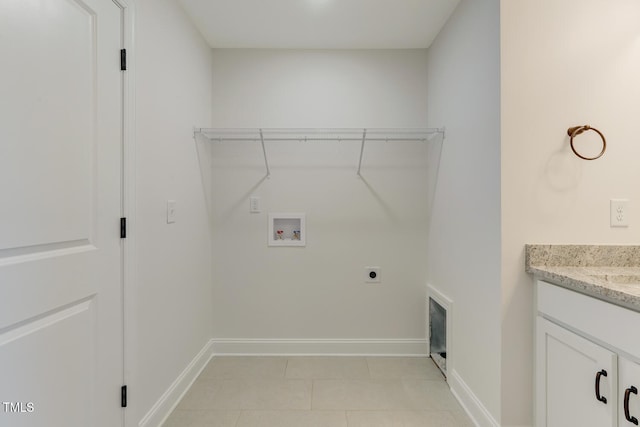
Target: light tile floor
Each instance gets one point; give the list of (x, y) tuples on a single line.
[(319, 392)]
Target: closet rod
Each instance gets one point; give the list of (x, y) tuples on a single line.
[(307, 139)]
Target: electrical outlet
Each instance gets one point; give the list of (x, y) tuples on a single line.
[(372, 275), (619, 212), (171, 211)]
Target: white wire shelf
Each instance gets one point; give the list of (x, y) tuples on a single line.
[(264, 135)]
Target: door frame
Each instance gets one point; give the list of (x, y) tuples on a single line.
[(128, 210)]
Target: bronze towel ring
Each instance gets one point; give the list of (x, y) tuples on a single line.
[(577, 130)]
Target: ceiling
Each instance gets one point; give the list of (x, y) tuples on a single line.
[(319, 24)]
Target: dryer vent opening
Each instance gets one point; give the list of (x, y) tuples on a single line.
[(438, 335)]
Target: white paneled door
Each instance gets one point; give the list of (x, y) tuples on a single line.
[(61, 109)]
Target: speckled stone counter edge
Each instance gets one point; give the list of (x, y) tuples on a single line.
[(581, 256), (581, 268)]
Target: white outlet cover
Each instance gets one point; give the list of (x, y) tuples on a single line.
[(619, 215), (171, 211), (372, 275)]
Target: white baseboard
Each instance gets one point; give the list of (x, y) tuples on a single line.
[(469, 401), (158, 414), (320, 347)]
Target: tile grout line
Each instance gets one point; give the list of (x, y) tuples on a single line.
[(238, 418), (286, 367), (366, 360)]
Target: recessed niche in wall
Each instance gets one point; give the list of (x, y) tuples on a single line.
[(287, 229)]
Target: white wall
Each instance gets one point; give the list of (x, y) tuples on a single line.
[(173, 93), (318, 292), (319, 88), (564, 63), (464, 241)]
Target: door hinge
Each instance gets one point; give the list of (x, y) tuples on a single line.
[(123, 59), (123, 396), (123, 228)]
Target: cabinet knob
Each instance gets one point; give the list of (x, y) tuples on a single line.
[(600, 374), (627, 394)]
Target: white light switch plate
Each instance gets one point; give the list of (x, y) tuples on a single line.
[(171, 211), (254, 204), (619, 212)]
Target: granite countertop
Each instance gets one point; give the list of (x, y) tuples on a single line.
[(609, 273)]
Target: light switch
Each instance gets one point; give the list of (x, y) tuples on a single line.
[(254, 204), (171, 211)]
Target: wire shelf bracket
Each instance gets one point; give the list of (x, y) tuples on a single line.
[(364, 138), (264, 152)]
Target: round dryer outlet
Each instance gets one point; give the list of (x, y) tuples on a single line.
[(372, 275)]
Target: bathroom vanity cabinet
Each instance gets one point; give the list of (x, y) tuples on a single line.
[(587, 368)]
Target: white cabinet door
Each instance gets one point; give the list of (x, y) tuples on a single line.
[(628, 392), (61, 324), (576, 381)]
